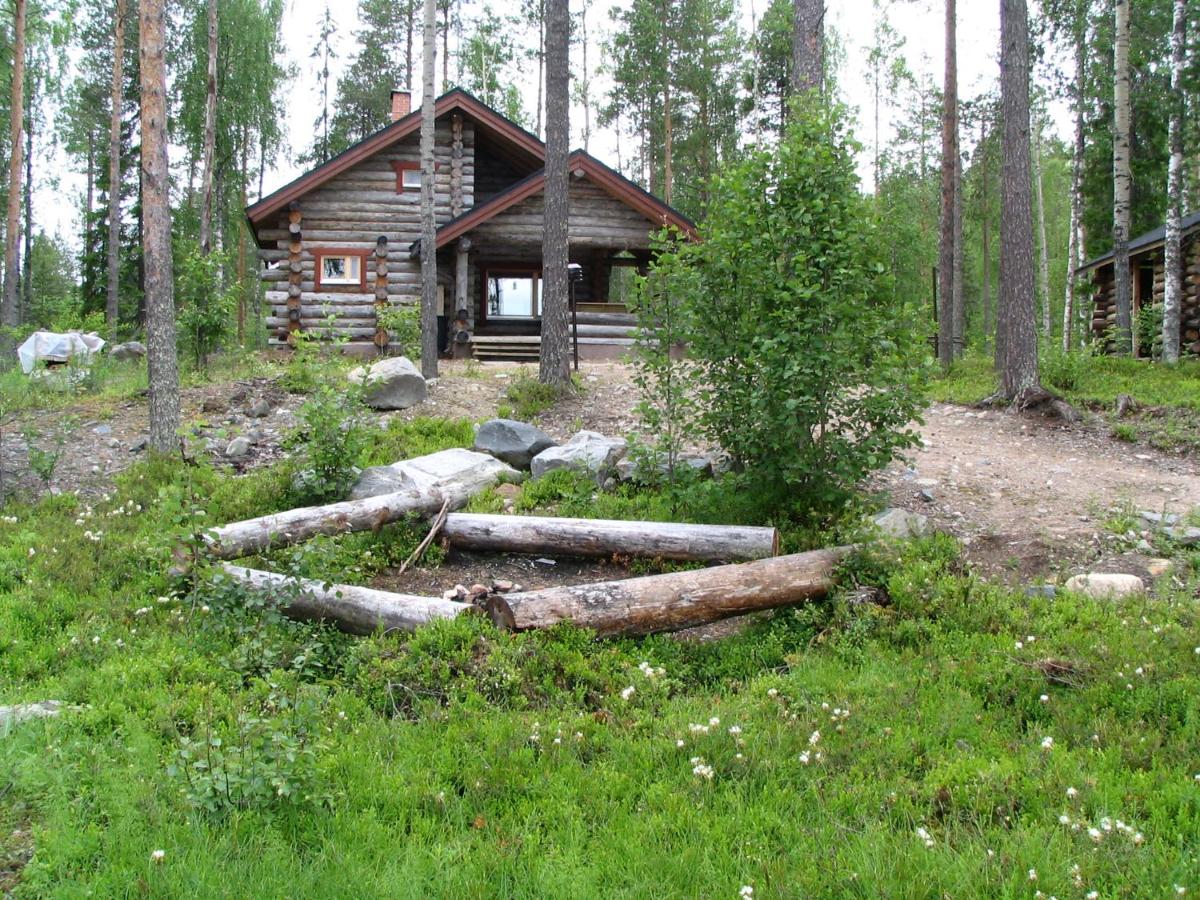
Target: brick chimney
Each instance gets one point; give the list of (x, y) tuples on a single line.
[(401, 104)]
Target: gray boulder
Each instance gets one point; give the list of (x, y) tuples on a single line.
[(1106, 586), (392, 383), (458, 471), (517, 443), (587, 451), (902, 524), (1188, 536), (259, 409), (128, 350), (22, 712), (239, 447)]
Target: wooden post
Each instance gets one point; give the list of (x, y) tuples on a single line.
[(381, 292), (456, 165), (295, 270), (461, 279)]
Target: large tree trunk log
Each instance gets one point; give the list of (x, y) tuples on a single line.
[(673, 601), (296, 525), (602, 537), (357, 610)]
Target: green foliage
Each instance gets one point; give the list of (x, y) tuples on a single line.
[(43, 462), (313, 362), (804, 368), (1061, 370), (529, 398), (331, 439), (403, 325), (206, 302), (406, 438)]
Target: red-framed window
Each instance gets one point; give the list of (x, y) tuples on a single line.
[(338, 269)]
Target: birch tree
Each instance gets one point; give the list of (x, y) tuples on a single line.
[(210, 134), (10, 312), (1043, 249), (116, 103), (554, 363), (156, 230), (1122, 178), (1173, 286), (1075, 232), (429, 347)]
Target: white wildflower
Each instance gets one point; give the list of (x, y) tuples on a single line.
[(1045, 698), (1072, 793), (1064, 819), (1047, 743), (627, 693), (679, 743), (746, 892), (772, 692), (734, 729), (1033, 874), (804, 757), (714, 722), (1018, 645), (158, 855), (813, 738), (1096, 835)]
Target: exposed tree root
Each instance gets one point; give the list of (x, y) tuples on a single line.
[(1034, 400)]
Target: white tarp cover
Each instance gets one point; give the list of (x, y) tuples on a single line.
[(47, 346)]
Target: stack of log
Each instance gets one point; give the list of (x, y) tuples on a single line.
[(1104, 302), (633, 606)]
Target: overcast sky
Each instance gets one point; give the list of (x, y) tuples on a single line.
[(920, 22)]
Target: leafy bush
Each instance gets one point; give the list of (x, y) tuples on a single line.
[(403, 325), (331, 439), (206, 305), (1060, 370), (803, 366), (529, 398)]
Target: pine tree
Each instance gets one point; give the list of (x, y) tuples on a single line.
[(808, 45), (555, 364), (946, 248), (10, 313), (116, 108)]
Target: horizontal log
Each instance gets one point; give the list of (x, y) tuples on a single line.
[(334, 300), (354, 609), (310, 322), (293, 526), (638, 606), (603, 537)]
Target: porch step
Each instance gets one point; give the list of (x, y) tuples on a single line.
[(616, 308), (510, 348), (622, 319)]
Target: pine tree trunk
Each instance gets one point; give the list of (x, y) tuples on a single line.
[(27, 265), (1074, 245), (1043, 250), (541, 58), (808, 45), (1016, 315), (555, 363), (429, 348), (9, 311), (1173, 266), (156, 231), (668, 142), (1122, 180), (985, 228), (585, 82), (959, 300), (112, 296), (210, 135), (949, 168)]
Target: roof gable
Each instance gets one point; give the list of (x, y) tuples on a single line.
[(1146, 241), (611, 182), (515, 138)]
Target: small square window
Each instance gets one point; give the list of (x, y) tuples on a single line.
[(410, 179), (341, 269)]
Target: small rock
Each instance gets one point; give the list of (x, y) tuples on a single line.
[(213, 405), (450, 594), (238, 447), (128, 350), (393, 383), (1041, 590), (1143, 546), (139, 444), (926, 495), (258, 409), (22, 712), (1187, 536), (1157, 567), (508, 491), (516, 443), (586, 451), (1155, 518), (1106, 586), (543, 561), (902, 524), (102, 429), (502, 586)]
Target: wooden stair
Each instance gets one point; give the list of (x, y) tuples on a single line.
[(506, 347), (608, 329)]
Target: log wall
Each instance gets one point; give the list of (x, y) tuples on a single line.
[(1104, 304)]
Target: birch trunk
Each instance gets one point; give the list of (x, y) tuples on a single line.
[(156, 231), (354, 609), (210, 135), (1043, 251), (9, 310), (985, 227), (112, 298), (1016, 332), (1074, 244), (949, 156), (1173, 263), (1122, 180), (429, 348), (555, 358)]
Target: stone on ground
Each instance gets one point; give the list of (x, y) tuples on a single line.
[(516, 443), (239, 447), (21, 712), (128, 350), (392, 383), (1188, 536), (455, 470), (902, 524), (1106, 586), (587, 451)]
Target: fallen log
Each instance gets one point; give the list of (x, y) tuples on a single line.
[(295, 525), (604, 537), (354, 609), (638, 606)]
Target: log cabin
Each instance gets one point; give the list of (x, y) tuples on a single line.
[(1147, 262), (341, 243)]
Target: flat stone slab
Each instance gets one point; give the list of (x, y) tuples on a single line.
[(587, 451), (22, 712), (455, 469), (1106, 586), (516, 443)]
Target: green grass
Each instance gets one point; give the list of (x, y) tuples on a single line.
[(528, 398), (1092, 381), (427, 764)]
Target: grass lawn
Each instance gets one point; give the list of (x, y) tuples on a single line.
[(921, 748)]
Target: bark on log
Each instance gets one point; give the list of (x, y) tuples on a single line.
[(638, 606), (601, 537), (354, 609), (295, 525)]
